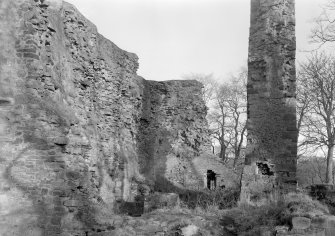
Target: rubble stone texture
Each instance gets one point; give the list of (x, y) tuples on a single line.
[(80, 132), (272, 133), (172, 134)]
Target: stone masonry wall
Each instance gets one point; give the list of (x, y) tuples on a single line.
[(173, 132), (72, 111), (272, 133)]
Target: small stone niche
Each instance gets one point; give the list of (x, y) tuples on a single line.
[(5, 101)]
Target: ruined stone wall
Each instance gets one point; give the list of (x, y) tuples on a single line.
[(272, 133), (173, 132), (71, 117)]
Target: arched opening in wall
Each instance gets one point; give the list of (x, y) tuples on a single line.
[(211, 178), (265, 168)]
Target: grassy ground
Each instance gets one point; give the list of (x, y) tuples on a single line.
[(252, 219), (249, 218), (220, 213)]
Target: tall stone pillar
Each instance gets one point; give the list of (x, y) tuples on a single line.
[(271, 152)]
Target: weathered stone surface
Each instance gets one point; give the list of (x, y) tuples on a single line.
[(272, 134), (189, 230), (225, 177), (301, 223), (73, 116), (281, 229), (173, 133), (325, 222)]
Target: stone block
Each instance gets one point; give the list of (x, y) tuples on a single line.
[(72, 203), (325, 222), (31, 56), (301, 223), (190, 230), (282, 229)]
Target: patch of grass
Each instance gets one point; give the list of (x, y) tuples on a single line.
[(249, 218), (298, 204), (205, 202), (221, 199)]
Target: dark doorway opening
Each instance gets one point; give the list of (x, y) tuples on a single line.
[(211, 179)]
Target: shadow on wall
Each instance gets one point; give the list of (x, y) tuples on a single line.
[(59, 195), (153, 143), (34, 170), (157, 134), (51, 176), (54, 196), (169, 138)]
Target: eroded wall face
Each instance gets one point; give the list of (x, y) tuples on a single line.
[(70, 101), (272, 133), (174, 131), (70, 121)]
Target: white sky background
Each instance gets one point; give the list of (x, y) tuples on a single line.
[(177, 37)]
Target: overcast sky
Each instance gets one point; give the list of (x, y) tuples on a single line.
[(177, 37)]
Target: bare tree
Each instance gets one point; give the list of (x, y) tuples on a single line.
[(312, 170), (228, 118), (318, 130), (238, 107), (324, 25), (303, 107), (219, 118), (227, 112)]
